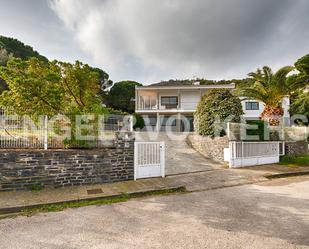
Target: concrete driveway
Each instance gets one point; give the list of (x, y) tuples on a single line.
[(274, 214), (180, 157)]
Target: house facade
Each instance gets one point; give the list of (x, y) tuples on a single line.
[(172, 106)]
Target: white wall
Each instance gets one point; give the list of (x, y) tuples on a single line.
[(189, 100), (256, 113), (252, 113)]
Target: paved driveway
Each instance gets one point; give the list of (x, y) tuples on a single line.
[(180, 157), (272, 215)]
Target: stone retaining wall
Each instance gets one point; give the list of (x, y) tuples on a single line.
[(209, 147), (23, 169), (296, 148)]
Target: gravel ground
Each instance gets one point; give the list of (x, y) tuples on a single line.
[(274, 214)]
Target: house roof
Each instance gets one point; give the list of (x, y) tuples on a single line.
[(175, 83), (184, 84)]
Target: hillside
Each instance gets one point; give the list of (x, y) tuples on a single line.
[(19, 49)]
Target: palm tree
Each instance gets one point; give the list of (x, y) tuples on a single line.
[(270, 89)]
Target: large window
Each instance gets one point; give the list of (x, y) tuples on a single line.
[(169, 102), (252, 105)]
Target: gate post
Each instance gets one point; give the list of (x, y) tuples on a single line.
[(162, 158), (135, 159), (45, 132)]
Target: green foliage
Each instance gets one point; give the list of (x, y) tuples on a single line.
[(300, 103), (38, 88), (121, 96), (302, 65), (4, 56), (216, 103), (33, 87), (268, 87), (240, 83), (99, 201), (104, 80), (139, 121), (116, 112), (300, 81), (35, 187), (295, 161), (19, 49), (261, 125)]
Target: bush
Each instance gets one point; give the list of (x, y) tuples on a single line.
[(139, 122), (261, 125), (216, 104)]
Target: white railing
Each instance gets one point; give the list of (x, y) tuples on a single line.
[(24, 132), (254, 149), (254, 153), (149, 103)]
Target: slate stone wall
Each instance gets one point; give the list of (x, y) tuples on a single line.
[(209, 147), (296, 148), (23, 169)]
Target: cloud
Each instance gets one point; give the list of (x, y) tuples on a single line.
[(152, 40)]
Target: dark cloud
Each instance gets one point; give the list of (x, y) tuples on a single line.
[(34, 23), (150, 40)]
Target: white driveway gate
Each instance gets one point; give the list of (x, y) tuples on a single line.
[(242, 154), (149, 159)]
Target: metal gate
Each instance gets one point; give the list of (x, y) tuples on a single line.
[(149, 159), (242, 154)]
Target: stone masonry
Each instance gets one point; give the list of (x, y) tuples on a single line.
[(296, 148), (23, 169), (209, 147)]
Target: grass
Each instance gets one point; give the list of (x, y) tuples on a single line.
[(295, 161), (101, 201), (35, 188)]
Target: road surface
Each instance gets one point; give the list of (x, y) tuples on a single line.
[(274, 214)]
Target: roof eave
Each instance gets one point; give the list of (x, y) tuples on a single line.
[(221, 86)]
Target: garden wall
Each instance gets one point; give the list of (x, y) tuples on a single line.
[(296, 148), (209, 147), (23, 169)]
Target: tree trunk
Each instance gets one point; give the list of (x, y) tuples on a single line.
[(272, 115)]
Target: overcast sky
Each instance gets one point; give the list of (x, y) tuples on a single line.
[(149, 41)]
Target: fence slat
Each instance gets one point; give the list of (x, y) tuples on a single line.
[(17, 132)]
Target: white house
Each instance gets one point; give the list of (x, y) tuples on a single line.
[(172, 105)]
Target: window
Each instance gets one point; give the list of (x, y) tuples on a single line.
[(168, 121), (169, 102), (252, 105)]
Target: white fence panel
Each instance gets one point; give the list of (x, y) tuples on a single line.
[(149, 159), (244, 154), (26, 132)]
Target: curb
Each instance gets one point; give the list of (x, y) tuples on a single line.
[(288, 174), (15, 210)]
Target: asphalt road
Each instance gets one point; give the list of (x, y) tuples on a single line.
[(270, 215)]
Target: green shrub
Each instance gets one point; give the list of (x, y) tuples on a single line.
[(139, 122), (261, 125), (216, 104)]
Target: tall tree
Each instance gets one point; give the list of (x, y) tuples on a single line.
[(270, 88), (302, 65), (38, 88), (300, 97), (121, 96), (300, 103)]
